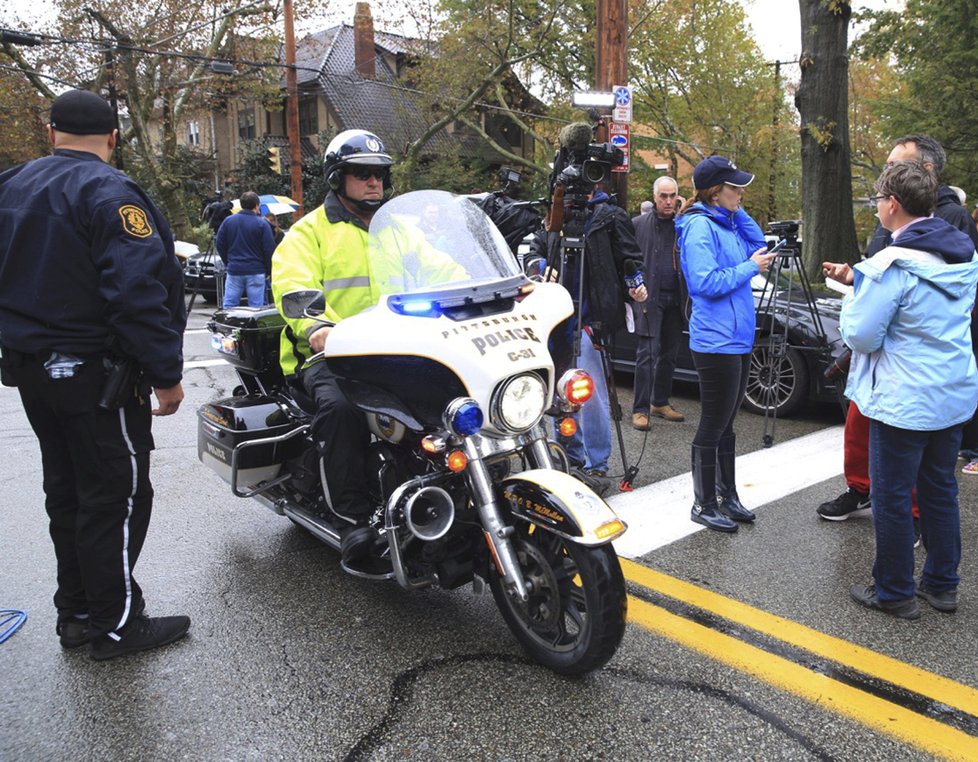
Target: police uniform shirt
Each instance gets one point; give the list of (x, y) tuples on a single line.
[(87, 265)]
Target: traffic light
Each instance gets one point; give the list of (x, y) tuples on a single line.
[(275, 160)]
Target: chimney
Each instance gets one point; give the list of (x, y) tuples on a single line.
[(363, 34)]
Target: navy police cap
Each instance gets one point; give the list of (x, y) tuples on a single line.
[(81, 112)]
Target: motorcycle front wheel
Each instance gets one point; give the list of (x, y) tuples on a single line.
[(575, 616)]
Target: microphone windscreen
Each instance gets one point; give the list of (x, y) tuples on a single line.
[(575, 137), (633, 274)]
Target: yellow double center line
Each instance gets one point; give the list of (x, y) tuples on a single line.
[(922, 732)]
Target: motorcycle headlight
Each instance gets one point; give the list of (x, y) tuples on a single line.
[(518, 402)]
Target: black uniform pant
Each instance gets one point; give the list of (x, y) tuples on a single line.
[(341, 431), (97, 488)]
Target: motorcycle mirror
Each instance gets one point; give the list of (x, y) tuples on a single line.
[(535, 268), (296, 304)]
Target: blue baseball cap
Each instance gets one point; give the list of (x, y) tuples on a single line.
[(717, 170)]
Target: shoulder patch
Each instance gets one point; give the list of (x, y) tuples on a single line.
[(135, 221)]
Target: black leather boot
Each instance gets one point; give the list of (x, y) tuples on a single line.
[(705, 509), (727, 498)]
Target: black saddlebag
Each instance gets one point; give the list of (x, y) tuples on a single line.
[(245, 440)]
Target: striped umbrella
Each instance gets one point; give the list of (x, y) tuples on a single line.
[(270, 203)]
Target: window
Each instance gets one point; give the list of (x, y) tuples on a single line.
[(504, 130), (308, 116), (246, 124), (193, 133)]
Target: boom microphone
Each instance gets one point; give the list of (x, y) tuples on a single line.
[(575, 137), (633, 274)]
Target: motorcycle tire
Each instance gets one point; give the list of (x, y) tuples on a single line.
[(575, 617)]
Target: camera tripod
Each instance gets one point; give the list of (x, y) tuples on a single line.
[(573, 251), (778, 307)]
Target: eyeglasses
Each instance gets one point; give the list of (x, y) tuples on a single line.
[(875, 200), (364, 173)]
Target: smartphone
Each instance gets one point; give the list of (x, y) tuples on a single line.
[(778, 246)]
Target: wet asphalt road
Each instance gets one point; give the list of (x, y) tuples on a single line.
[(289, 658)]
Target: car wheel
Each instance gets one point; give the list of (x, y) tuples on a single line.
[(774, 386)]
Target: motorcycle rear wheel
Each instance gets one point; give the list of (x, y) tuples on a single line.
[(575, 617)]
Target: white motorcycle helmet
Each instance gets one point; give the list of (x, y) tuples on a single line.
[(356, 147)]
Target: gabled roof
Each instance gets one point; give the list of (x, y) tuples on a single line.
[(384, 104)]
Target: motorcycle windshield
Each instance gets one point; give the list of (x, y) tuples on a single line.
[(433, 241)]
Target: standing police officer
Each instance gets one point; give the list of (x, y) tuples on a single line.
[(91, 318)]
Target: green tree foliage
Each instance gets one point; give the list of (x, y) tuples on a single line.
[(871, 82), (933, 47), (702, 84), (23, 129), (156, 58), (254, 174), (466, 72)]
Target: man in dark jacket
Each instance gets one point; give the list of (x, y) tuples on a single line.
[(609, 244), (659, 319), (91, 300), (855, 500), (245, 244)]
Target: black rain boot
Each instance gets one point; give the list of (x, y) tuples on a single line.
[(727, 498), (705, 509)]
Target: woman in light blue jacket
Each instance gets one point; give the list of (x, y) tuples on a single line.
[(913, 375), (721, 249)]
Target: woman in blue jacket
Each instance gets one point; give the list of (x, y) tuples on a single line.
[(908, 322), (721, 249)]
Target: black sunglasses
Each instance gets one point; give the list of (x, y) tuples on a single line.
[(363, 173)]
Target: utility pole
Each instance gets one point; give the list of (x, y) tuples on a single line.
[(611, 65), (292, 109), (772, 181), (114, 101)]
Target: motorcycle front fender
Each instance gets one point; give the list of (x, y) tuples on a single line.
[(559, 503)]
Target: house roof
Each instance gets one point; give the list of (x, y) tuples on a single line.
[(384, 104)]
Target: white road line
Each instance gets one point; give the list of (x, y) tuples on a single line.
[(195, 331), (658, 514), (204, 364)]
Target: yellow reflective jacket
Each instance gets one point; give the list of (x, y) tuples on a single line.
[(328, 249)]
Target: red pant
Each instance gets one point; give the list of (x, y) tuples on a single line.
[(855, 453)]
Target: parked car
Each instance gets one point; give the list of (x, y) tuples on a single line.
[(783, 386), (200, 276)]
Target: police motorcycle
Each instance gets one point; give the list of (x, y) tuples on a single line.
[(452, 370)]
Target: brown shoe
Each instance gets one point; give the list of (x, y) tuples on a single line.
[(667, 412), (640, 421)]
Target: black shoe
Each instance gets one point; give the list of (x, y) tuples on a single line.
[(356, 543), (946, 602), (73, 632), (916, 532), (866, 596), (731, 507), (141, 634), (847, 505), (711, 518), (599, 481)]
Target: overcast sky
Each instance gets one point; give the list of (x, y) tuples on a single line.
[(777, 24)]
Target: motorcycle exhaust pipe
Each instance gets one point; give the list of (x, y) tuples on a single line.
[(429, 513)]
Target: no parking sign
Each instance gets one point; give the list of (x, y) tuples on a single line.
[(618, 135)]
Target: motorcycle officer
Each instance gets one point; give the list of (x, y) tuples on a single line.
[(327, 249)]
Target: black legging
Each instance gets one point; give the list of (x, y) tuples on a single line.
[(723, 381)]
